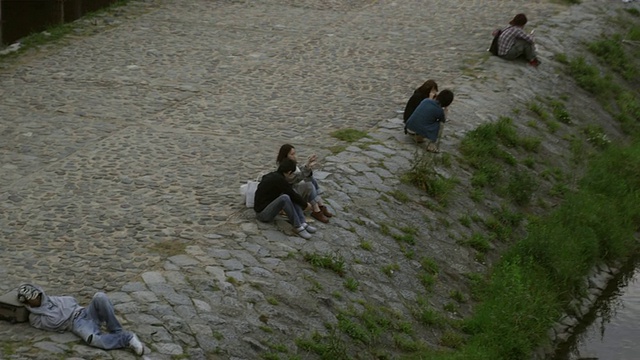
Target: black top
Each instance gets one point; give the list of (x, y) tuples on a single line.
[(271, 186), (413, 103)]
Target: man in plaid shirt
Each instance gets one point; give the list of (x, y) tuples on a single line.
[(513, 42)]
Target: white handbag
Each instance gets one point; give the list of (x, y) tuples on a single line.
[(248, 191)]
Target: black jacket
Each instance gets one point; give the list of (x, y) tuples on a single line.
[(413, 103), (271, 186)]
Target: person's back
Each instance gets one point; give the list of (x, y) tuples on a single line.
[(426, 118), (269, 188)]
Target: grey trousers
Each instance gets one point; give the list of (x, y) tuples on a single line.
[(521, 47)]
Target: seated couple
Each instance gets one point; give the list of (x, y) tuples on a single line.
[(425, 111), (304, 183), (275, 193)]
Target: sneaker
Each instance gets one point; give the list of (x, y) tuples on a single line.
[(302, 233), (136, 345), (318, 215), (310, 229), (535, 62)]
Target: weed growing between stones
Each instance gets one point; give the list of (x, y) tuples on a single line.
[(390, 269), (424, 176), (351, 284), (333, 262), (349, 135)]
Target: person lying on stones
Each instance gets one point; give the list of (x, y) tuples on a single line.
[(275, 193), (63, 313), (428, 90), (304, 183), (514, 43), (426, 119)]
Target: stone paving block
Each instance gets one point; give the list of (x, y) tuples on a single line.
[(153, 277), (144, 296)]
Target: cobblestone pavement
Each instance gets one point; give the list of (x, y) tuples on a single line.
[(122, 153)]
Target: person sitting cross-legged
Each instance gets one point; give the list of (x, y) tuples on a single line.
[(63, 313), (275, 193)]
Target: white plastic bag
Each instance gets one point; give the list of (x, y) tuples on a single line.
[(250, 193)]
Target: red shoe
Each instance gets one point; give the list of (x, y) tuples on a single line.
[(535, 62), (320, 216), (325, 211)]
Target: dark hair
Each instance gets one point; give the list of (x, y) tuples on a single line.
[(445, 97), (519, 20), (425, 89), (287, 165), (283, 153)]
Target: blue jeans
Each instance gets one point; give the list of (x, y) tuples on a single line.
[(307, 190), (293, 211), (87, 325)]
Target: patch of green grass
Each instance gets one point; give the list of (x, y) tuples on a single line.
[(457, 295), (537, 109), (529, 162), (327, 347), (316, 286), (465, 221), (426, 315), (561, 58), (271, 300), (479, 242), (390, 269), (400, 196), (333, 262), (588, 77), (629, 115), (266, 329), (450, 307), (451, 339), (351, 284), (521, 187), (349, 135), (384, 229), (366, 245), (560, 113), (405, 238), (530, 144), (427, 280), (408, 253), (503, 222), (633, 11), (429, 265), (611, 52), (168, 248), (476, 195), (559, 190), (407, 343), (336, 149), (596, 136), (423, 175)]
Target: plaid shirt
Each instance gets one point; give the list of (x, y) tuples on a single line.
[(508, 38)]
